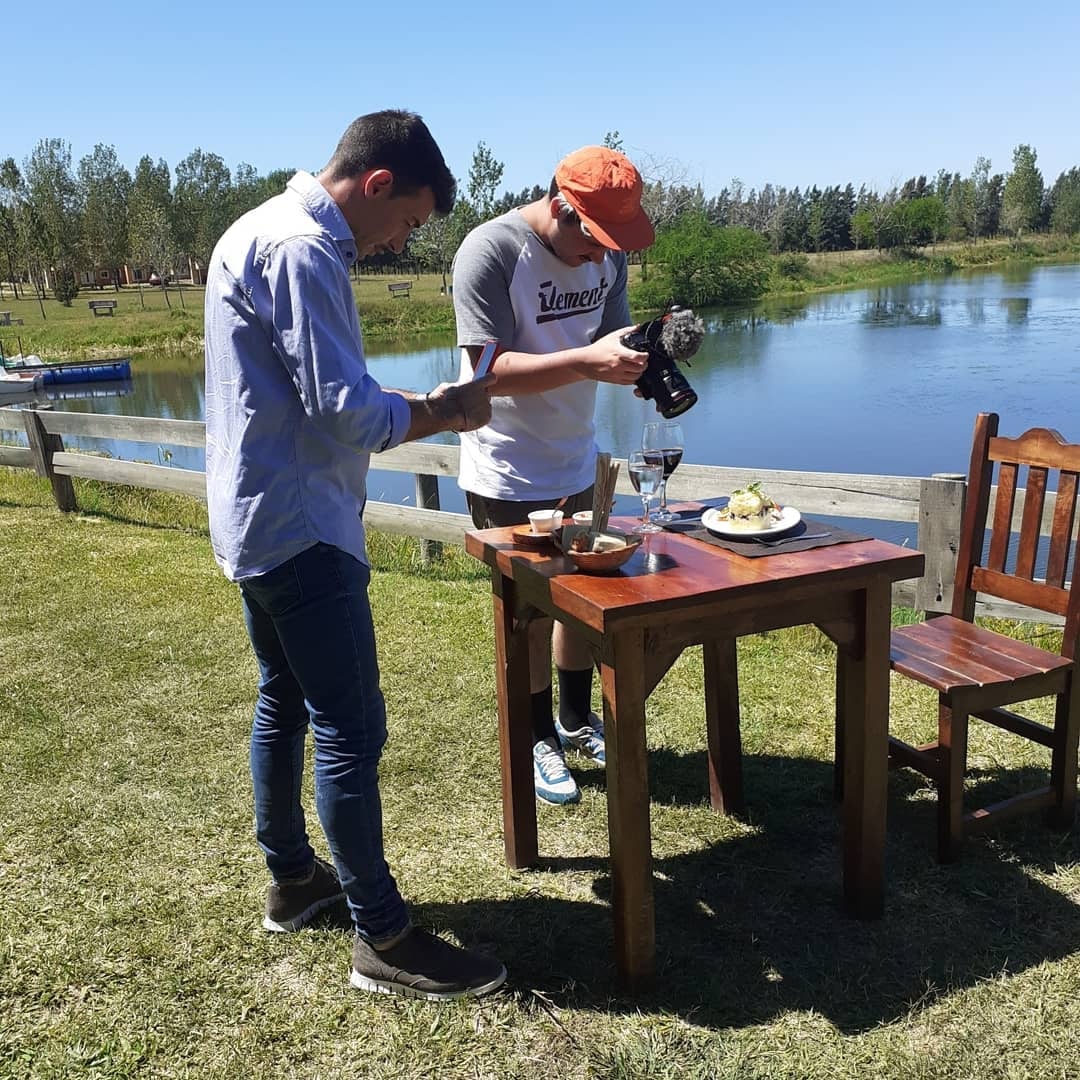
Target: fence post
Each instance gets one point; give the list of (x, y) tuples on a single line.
[(427, 498), (43, 446), (941, 511)]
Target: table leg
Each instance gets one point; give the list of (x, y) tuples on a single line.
[(622, 673), (515, 726), (722, 725), (863, 694)]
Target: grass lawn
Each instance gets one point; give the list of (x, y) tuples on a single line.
[(144, 321), (130, 941)]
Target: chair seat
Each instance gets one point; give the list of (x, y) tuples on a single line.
[(950, 654)]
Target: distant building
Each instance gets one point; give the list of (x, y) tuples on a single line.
[(101, 277)]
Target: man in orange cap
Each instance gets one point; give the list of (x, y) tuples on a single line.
[(548, 282)]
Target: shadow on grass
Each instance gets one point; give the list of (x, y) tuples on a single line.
[(752, 928)]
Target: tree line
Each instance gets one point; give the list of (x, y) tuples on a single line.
[(57, 219)]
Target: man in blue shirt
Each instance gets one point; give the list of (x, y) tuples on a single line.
[(292, 416)]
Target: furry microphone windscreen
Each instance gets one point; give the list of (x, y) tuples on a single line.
[(682, 335)]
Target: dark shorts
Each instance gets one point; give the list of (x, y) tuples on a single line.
[(499, 513)]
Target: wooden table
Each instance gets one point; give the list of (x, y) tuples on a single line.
[(673, 593)]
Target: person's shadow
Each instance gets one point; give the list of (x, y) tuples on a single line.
[(753, 927)]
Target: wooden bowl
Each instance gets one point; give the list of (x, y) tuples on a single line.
[(599, 562)]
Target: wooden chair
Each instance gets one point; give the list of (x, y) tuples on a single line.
[(977, 672)]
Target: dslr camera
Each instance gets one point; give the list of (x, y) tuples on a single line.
[(668, 339)]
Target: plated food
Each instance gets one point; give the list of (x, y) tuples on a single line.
[(749, 509)]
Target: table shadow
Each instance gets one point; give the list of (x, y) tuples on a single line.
[(753, 927)]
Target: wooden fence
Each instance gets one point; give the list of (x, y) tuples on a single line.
[(934, 503)]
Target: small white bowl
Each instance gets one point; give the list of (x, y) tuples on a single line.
[(583, 517), (545, 521)]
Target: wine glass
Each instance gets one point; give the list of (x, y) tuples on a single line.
[(666, 437), (646, 476)]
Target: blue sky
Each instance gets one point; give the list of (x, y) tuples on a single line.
[(788, 93)]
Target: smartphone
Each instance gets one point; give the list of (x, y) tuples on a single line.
[(487, 358)]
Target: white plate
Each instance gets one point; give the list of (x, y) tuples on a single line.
[(711, 519)]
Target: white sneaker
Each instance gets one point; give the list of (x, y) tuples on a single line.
[(552, 778)]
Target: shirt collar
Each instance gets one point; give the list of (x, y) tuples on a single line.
[(326, 212)]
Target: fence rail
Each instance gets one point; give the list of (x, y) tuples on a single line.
[(935, 503)]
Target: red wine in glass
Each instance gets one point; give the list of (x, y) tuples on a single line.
[(666, 439), (672, 457)]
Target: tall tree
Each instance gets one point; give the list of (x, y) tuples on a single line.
[(56, 218), (1022, 199), (150, 231), (10, 187), (433, 245), (485, 175), (201, 204), (106, 189), (960, 208), (1065, 203), (249, 189)]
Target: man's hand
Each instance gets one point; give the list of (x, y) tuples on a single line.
[(609, 360), (463, 406)]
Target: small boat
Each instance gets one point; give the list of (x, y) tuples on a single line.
[(88, 371), (68, 371), (12, 385)]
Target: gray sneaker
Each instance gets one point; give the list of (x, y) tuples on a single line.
[(422, 965), (587, 741), (292, 904)]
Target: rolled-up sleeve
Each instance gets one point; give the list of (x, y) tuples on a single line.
[(316, 336)]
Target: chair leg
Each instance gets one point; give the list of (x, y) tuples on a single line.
[(952, 754), (1063, 761)]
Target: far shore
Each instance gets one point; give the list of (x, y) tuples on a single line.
[(152, 320)]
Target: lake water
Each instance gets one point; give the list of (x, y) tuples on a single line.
[(885, 380)]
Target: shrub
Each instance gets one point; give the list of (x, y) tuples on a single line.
[(67, 288), (792, 265), (699, 263)]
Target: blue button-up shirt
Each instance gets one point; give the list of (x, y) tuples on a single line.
[(291, 411)]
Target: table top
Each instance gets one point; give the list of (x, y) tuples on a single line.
[(671, 571)]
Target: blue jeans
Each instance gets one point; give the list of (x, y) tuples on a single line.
[(310, 624)]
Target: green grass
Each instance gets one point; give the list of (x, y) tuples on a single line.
[(132, 888), (143, 322)]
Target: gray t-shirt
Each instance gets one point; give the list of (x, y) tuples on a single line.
[(511, 288)]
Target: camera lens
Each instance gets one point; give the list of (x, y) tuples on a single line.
[(661, 380), (677, 394)]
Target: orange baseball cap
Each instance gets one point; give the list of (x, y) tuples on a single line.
[(604, 188)]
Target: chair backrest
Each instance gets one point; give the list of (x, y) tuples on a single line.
[(1042, 452)]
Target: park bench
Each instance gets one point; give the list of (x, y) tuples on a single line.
[(101, 307), (400, 288)]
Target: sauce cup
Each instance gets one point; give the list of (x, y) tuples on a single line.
[(545, 521)]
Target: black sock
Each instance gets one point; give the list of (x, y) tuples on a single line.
[(542, 723), (575, 698)]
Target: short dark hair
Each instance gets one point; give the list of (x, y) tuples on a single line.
[(399, 141)]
